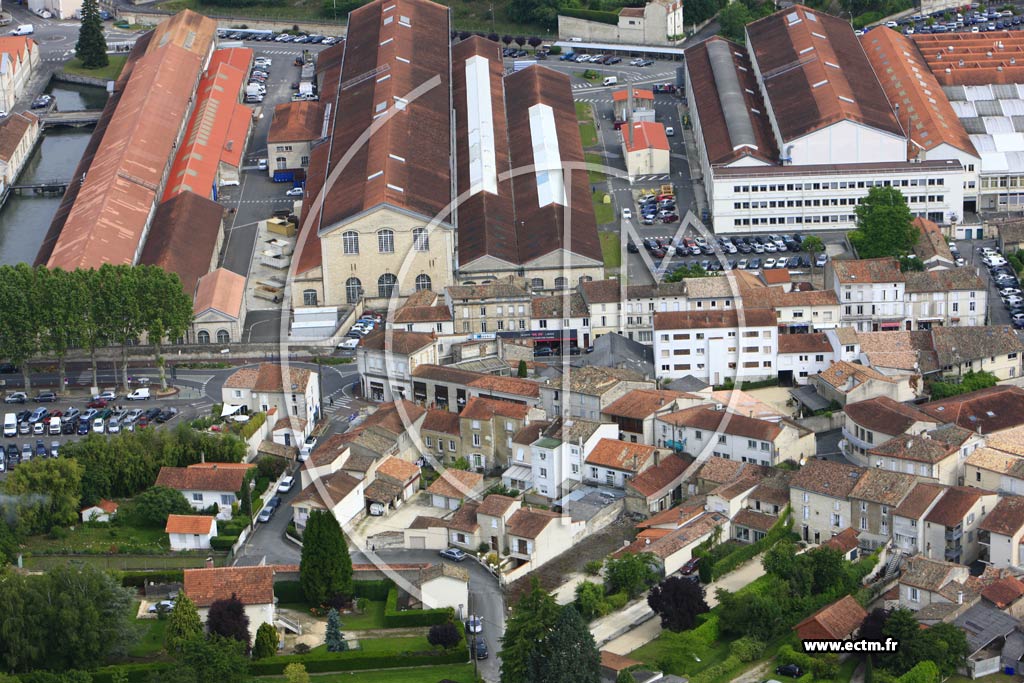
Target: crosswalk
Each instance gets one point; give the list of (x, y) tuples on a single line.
[(293, 52), (341, 406), (628, 78), (650, 178)]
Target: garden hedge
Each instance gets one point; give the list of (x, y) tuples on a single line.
[(355, 660), (289, 592), (591, 15), (372, 590), (393, 618), (136, 673), (140, 579), (223, 542)]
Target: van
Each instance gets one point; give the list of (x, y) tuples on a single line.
[(262, 164), (138, 395), (10, 424), (23, 30), (611, 80), (670, 131), (54, 426)]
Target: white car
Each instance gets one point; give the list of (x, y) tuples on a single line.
[(769, 263), (294, 192), (105, 396), (349, 344), (993, 261), (627, 214), (286, 485)]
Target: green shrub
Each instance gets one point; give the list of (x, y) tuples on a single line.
[(374, 590), (555, 50), (247, 429), (707, 633), (355, 660), (289, 592), (140, 579), (425, 617), (723, 669), (747, 648), (822, 666), (133, 673), (593, 568), (617, 601), (223, 542), (591, 15)]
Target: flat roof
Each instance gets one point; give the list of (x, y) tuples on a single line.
[(974, 58), (616, 47)]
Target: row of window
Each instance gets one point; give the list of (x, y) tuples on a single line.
[(793, 220), (387, 287), (840, 185), (385, 241), (203, 337), (680, 367), (747, 334)]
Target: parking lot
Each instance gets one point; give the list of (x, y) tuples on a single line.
[(975, 20)]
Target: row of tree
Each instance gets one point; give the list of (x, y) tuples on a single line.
[(53, 312)]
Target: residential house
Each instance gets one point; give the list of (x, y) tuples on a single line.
[(931, 246), (449, 388), (731, 498), (218, 309), (288, 431), (391, 429), (205, 486), (292, 390), (537, 536), (643, 301), (338, 493), (873, 499), (640, 99), (557, 455), (561, 321), (925, 582), (870, 292), (938, 454), (675, 547), (441, 432), (764, 504), (1000, 534), (819, 494), (293, 130), (503, 306), (493, 515), (463, 527), (998, 466), (938, 299), (717, 345), (714, 472), (711, 430), (252, 586), (387, 358), (951, 528), (19, 58), (844, 382), (899, 353), (603, 299), (424, 311), (659, 487), (18, 136), (908, 518), (487, 426), (871, 423), (986, 411), (846, 542), (612, 664), (190, 532), (100, 512), (635, 412), (395, 481), (586, 391), (613, 463), (645, 148), (838, 621), (797, 311), (444, 585), (995, 348), (453, 486), (803, 355), (520, 475), (1005, 594)]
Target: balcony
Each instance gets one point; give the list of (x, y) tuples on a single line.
[(955, 533), (985, 537)]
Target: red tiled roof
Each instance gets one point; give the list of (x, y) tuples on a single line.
[(1006, 518), (955, 504), (251, 585), (189, 524), (707, 418), (183, 237), (918, 500), (479, 408), (698, 320), (398, 469), (221, 290), (219, 479), (641, 403), (986, 410), (529, 523), (1004, 592), (610, 660), (638, 94), (621, 455), (646, 135), (296, 122), (456, 484), (837, 621), (981, 65), (845, 541), (13, 131), (668, 472), (440, 420), (868, 270), (804, 343), (108, 506), (495, 505), (882, 414)]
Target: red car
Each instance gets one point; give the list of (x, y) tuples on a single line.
[(98, 404), (671, 218), (691, 566)]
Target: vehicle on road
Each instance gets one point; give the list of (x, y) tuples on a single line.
[(265, 514), (453, 554), (294, 192), (474, 624), (286, 484), (138, 395), (16, 397), (478, 647), (791, 670), (45, 397)]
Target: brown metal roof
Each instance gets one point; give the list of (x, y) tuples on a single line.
[(955, 505), (296, 122), (721, 149), (486, 219), (816, 74), (685, 320), (188, 30), (981, 64), (882, 414), (542, 229), (907, 81), (397, 64), (183, 237)]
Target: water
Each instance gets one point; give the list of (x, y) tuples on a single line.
[(25, 219)]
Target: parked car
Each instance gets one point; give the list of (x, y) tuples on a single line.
[(691, 566), (98, 425), (166, 415), (294, 192), (16, 397), (40, 450), (286, 484), (478, 647), (791, 670), (474, 624), (45, 397), (453, 554), (104, 396), (83, 427), (265, 514)]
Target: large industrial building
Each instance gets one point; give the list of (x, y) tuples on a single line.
[(796, 127), (452, 172)]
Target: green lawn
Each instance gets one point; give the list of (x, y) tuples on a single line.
[(666, 648), (460, 673), (584, 112), (588, 134), (151, 637), (107, 73), (610, 249), (603, 213), (397, 644), (991, 678), (594, 158), (373, 617), (99, 538)]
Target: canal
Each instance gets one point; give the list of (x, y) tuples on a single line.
[(25, 219)]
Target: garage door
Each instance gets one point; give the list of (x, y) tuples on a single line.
[(417, 542)]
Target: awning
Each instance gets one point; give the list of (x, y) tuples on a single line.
[(890, 326), (229, 409), (808, 396), (518, 473)]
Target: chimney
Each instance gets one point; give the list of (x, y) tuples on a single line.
[(209, 563), (959, 597), (625, 543), (647, 541)]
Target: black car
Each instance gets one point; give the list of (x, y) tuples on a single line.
[(40, 449), (166, 415), (8, 368), (12, 451), (24, 415), (46, 397), (69, 427), (791, 670), (478, 646), (631, 248), (152, 413)]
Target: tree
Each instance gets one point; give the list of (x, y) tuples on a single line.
[(227, 618), (493, 37), (165, 308), (946, 645), (902, 626), (266, 641), (183, 625), (507, 39), (523, 371), (296, 673), (91, 48), (217, 658), (828, 569), (444, 635), (43, 494), (19, 325), (120, 310), (679, 601), (567, 653), (813, 245), (632, 574), (151, 507), (873, 627), (62, 300), (520, 40), (884, 225), (325, 569), (540, 12), (590, 601), (532, 618), (93, 333), (535, 42), (733, 19), (334, 639)]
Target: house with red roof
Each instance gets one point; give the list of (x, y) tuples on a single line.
[(19, 57), (252, 586), (1001, 533), (218, 309), (100, 512), (645, 147), (190, 532), (293, 391), (838, 621), (951, 527)]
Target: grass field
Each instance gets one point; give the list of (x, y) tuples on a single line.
[(594, 158), (151, 636), (588, 134), (459, 673), (373, 617), (584, 112), (107, 73), (123, 562), (610, 249), (99, 539), (603, 213)]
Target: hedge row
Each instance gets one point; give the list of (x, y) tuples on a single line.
[(291, 591), (140, 579), (223, 542), (822, 666), (393, 618), (135, 673), (591, 15), (250, 427), (745, 553), (354, 660)]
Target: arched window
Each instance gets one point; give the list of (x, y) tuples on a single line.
[(561, 283), (585, 278), (537, 283), (350, 242), (309, 297), (203, 337), (422, 282), (353, 290), (386, 241), (223, 337), (420, 239), (282, 163), (387, 286)]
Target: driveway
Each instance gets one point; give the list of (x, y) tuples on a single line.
[(267, 545)]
